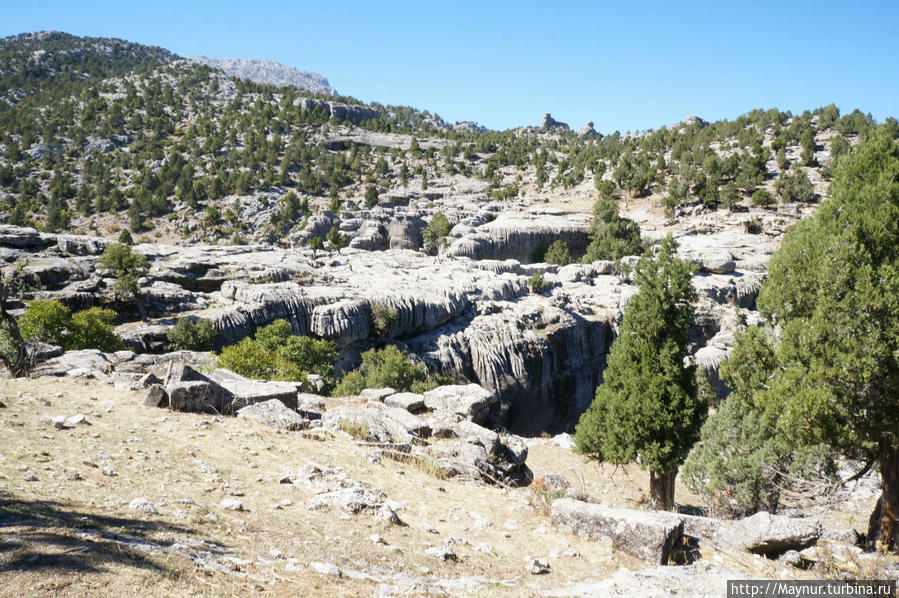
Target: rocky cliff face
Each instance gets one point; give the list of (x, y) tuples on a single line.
[(467, 313), (268, 72)]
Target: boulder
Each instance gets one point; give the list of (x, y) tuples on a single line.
[(701, 527), (770, 535), (74, 362), (353, 500), (376, 394), (405, 233), (470, 401), (643, 534), (247, 392), (483, 455), (587, 130), (274, 413), (410, 401)]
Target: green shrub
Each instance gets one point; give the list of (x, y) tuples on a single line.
[(278, 354), (537, 284), (249, 359), (611, 236), (794, 186), (762, 197), (435, 233), (45, 321), (740, 466), (93, 329), (191, 335), (382, 316), (382, 368), (335, 239), (557, 254)]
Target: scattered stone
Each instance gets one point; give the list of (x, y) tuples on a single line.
[(699, 580), (442, 553), (483, 547), (30, 476), (389, 516), (325, 569), (231, 504), (536, 566), (109, 471), (143, 505)]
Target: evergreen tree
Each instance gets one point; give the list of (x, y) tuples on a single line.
[(647, 408), (832, 292), (611, 236)]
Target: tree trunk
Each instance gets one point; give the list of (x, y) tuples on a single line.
[(883, 525), (12, 347), (661, 489)]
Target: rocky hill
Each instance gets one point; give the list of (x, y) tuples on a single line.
[(358, 228), (268, 72)]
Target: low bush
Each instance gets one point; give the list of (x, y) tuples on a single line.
[(191, 335), (278, 354), (387, 367)]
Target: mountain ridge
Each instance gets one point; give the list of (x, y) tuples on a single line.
[(268, 72)]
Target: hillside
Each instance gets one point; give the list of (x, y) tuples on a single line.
[(417, 313)]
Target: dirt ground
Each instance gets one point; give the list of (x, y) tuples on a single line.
[(67, 527)]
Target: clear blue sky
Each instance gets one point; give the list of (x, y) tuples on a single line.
[(624, 65)]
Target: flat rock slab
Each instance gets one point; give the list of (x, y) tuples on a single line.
[(767, 534), (643, 534), (274, 413), (247, 392)]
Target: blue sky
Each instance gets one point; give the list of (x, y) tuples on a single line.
[(624, 65)]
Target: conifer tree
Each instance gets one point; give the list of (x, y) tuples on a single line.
[(647, 408)]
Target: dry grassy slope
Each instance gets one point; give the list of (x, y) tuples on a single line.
[(66, 527)]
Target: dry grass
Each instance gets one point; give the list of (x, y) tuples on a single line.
[(71, 532)]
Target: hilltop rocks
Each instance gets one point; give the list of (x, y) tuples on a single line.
[(550, 123), (268, 72), (643, 534), (587, 130)]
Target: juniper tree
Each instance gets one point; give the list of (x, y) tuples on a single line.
[(647, 408), (832, 292)]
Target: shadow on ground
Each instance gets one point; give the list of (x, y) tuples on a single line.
[(54, 537)]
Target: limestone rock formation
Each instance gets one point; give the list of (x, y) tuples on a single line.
[(268, 72), (587, 130), (550, 123)]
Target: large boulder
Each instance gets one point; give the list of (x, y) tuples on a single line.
[(274, 413), (643, 534), (405, 233), (247, 392), (770, 535), (483, 455), (470, 402)]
